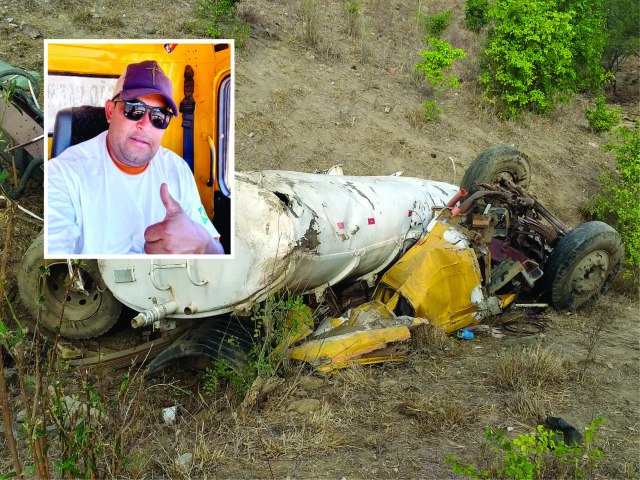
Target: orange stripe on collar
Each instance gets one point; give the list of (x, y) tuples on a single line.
[(130, 170)]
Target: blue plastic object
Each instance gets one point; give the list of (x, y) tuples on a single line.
[(465, 334)]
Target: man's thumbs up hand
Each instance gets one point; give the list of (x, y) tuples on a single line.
[(177, 233), (168, 201)]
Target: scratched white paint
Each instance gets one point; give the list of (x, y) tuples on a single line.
[(488, 305), (456, 238)]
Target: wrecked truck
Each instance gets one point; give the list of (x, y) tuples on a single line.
[(421, 251)]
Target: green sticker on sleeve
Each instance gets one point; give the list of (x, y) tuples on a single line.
[(203, 214)]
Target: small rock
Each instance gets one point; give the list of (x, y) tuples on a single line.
[(251, 134), (73, 405), (169, 414), (387, 109), (21, 417), (306, 405), (10, 374), (31, 31), (184, 459), (311, 383), (9, 19)]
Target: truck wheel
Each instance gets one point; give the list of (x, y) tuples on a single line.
[(584, 264), (495, 163), (87, 314)]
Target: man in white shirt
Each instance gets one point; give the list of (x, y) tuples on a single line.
[(121, 192)]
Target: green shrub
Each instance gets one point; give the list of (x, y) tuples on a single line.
[(541, 52), (431, 111), (216, 19), (541, 454), (221, 374), (476, 14), (601, 118), (588, 21), (623, 35), (528, 58), (279, 322), (618, 202), (437, 60), (435, 25), (353, 9)]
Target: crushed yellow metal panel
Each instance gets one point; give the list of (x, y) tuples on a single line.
[(506, 300), (438, 281), (346, 343), (371, 334), (392, 353), (439, 277)]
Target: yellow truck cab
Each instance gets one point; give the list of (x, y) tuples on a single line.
[(85, 73)]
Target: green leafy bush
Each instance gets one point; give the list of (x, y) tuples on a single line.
[(618, 202), (542, 51), (601, 118), (588, 22), (281, 321), (476, 14), (216, 19), (437, 60), (528, 58), (541, 454), (431, 111), (623, 35), (221, 374), (435, 25)]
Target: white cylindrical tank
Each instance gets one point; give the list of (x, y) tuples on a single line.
[(293, 231)]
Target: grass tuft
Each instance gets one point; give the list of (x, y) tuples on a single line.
[(530, 367)]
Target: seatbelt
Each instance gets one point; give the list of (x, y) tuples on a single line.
[(187, 108)]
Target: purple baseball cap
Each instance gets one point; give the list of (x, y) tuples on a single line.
[(145, 78)]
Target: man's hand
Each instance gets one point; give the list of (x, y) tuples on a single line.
[(177, 233)]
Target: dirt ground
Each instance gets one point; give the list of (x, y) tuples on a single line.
[(312, 92)]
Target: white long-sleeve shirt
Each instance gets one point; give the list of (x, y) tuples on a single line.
[(93, 207)]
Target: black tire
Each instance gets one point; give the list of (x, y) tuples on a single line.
[(584, 264), (495, 163), (85, 316)]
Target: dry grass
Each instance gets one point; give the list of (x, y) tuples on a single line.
[(530, 367), (427, 338), (415, 117), (435, 414), (529, 403), (309, 11), (531, 379), (281, 99), (315, 34)]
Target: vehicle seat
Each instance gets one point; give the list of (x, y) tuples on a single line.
[(77, 124)]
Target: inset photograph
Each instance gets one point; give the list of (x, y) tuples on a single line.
[(140, 151)]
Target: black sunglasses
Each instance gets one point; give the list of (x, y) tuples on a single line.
[(135, 110)]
